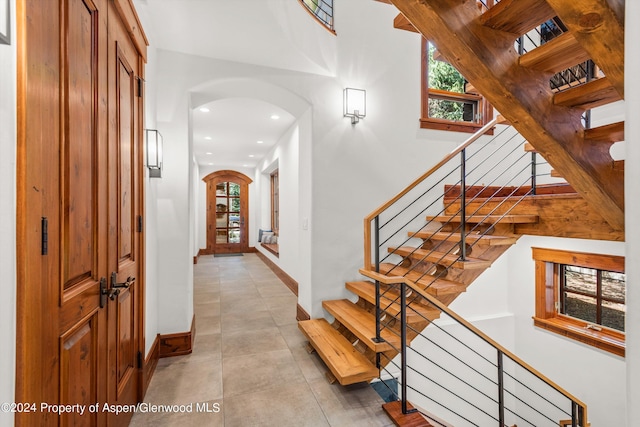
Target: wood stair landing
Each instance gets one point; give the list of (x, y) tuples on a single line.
[(362, 324), (347, 364)]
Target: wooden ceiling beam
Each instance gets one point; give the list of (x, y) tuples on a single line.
[(597, 26), (487, 59)]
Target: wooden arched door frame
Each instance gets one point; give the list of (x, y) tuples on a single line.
[(213, 244)]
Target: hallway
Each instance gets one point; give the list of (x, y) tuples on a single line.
[(249, 357)]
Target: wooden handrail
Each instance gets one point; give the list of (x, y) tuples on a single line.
[(445, 160), (388, 280)]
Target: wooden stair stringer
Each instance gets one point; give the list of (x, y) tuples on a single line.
[(487, 59), (559, 215)]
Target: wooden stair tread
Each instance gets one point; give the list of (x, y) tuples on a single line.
[(556, 55), (589, 95), (367, 291), (362, 324), (490, 219), (486, 239), (437, 287), (613, 132), (347, 364), (413, 419), (517, 16), (440, 258)]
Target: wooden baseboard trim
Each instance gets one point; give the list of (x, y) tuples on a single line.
[(195, 259), (149, 365), (178, 344), (286, 279), (301, 313)]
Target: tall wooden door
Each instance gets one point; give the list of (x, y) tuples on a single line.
[(227, 212), (125, 220), (69, 331)]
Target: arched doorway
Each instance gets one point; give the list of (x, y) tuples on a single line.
[(227, 212)]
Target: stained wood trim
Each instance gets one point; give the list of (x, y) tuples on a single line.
[(546, 316), (149, 366), (271, 247), (129, 17), (282, 275), (178, 344), (301, 313), (369, 218)]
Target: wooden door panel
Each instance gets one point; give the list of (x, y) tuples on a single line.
[(126, 118), (79, 370), (79, 159), (126, 333)]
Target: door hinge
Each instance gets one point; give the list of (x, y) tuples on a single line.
[(139, 223), (44, 238), (140, 84), (140, 360)]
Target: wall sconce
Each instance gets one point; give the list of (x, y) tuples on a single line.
[(355, 104), (154, 152)]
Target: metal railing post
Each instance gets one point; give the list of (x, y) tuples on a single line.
[(403, 344), (378, 338), (500, 389), (463, 204), (534, 172)]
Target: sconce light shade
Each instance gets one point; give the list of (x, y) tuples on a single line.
[(355, 104), (154, 152)]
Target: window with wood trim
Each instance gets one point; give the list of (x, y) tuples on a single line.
[(275, 202), (449, 102), (581, 296)]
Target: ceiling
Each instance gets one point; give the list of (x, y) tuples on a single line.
[(227, 30), (227, 135)]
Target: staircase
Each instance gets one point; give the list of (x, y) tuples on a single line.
[(479, 42), (438, 245)]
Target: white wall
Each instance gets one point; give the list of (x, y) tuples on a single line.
[(632, 211), (151, 230), (569, 363), (8, 220), (284, 157)]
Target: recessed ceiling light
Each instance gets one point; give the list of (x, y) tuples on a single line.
[(275, 117), (210, 164), (204, 109), (260, 142), (209, 152), (250, 155), (208, 138), (245, 166)]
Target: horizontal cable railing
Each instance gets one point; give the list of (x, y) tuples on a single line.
[(322, 10), (461, 374)]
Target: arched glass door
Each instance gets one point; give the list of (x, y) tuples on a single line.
[(227, 212)]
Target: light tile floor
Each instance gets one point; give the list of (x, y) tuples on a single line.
[(249, 360)]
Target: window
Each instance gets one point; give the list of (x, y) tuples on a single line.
[(448, 101), (581, 296), (322, 10), (275, 202)]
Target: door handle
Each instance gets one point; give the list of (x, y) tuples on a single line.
[(124, 285), (106, 292)]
